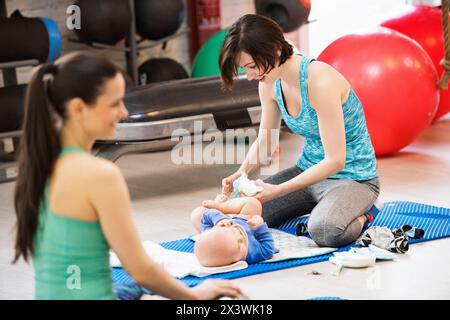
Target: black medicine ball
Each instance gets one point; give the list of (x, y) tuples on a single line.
[(160, 69), (157, 19)]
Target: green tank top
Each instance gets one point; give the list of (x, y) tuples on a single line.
[(71, 257)]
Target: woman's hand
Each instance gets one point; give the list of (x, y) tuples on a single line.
[(227, 183), (213, 289), (270, 192)]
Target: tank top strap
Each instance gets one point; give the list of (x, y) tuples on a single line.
[(303, 79)]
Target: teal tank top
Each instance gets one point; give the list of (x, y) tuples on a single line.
[(71, 257), (360, 161)]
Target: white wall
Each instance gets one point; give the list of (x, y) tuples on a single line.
[(336, 18)]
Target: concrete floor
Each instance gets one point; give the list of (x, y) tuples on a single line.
[(163, 194)]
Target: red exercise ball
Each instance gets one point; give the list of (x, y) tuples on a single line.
[(424, 24), (395, 80)]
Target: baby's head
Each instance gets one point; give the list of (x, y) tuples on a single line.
[(221, 246)]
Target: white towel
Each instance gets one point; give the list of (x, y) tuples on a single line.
[(179, 264), (292, 247)]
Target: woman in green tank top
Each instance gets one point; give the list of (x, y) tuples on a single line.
[(73, 207)]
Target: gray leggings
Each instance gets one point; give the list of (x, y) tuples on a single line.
[(334, 205)]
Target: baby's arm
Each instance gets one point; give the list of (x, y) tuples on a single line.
[(196, 218), (203, 219), (264, 236), (248, 206)]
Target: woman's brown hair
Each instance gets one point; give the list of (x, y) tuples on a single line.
[(260, 37)]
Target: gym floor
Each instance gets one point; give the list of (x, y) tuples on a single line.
[(163, 194)]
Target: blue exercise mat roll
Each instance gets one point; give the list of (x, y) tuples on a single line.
[(54, 39), (434, 220)]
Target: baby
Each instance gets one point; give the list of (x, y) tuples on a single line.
[(231, 230)]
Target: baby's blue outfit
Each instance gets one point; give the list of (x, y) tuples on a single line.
[(360, 161), (260, 241)]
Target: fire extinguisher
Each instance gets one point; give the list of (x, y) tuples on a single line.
[(204, 22)]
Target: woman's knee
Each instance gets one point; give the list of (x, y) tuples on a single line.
[(328, 234)]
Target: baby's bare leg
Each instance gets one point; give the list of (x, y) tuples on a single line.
[(245, 206), (251, 207)]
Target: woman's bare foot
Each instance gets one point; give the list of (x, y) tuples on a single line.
[(213, 204), (362, 219), (221, 198), (210, 204)]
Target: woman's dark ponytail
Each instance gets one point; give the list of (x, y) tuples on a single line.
[(39, 147)]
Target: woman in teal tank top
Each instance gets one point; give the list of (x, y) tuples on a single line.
[(334, 178), (72, 207)]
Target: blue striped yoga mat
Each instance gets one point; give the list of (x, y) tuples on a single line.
[(434, 220)]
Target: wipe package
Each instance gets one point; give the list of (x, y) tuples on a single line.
[(245, 186)]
